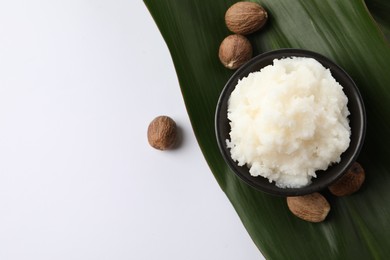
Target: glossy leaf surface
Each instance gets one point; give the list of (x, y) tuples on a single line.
[(358, 226)]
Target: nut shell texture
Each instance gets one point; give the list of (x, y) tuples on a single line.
[(245, 17), (312, 207), (234, 51), (162, 132), (350, 182)]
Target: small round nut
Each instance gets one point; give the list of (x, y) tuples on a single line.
[(245, 17), (312, 207), (162, 132), (234, 51), (350, 182)]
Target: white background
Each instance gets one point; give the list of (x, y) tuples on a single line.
[(80, 80)]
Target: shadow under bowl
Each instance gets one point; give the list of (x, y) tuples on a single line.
[(357, 123)]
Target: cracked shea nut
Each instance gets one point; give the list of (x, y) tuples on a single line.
[(245, 17), (312, 207), (162, 133), (350, 182), (234, 51)]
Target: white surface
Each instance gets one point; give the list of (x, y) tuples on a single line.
[(79, 82)]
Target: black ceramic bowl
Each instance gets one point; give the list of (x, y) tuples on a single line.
[(324, 178)]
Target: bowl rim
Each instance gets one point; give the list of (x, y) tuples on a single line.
[(271, 188)]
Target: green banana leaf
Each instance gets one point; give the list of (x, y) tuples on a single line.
[(358, 226), (380, 11)]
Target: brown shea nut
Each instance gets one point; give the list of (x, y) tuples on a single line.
[(312, 207), (234, 51), (245, 17), (350, 182), (162, 133)]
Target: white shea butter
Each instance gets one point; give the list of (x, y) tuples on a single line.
[(288, 120)]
